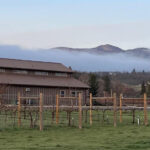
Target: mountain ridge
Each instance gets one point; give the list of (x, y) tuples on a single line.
[(101, 58), (109, 49)]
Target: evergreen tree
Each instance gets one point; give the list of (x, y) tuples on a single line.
[(143, 72), (148, 90), (107, 83), (93, 83), (143, 88), (133, 71)]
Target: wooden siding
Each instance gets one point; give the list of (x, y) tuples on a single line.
[(49, 94)]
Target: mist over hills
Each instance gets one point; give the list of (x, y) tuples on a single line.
[(102, 49), (110, 49), (101, 58)]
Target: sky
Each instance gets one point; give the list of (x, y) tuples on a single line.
[(43, 24)]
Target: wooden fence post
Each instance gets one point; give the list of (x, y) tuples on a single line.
[(57, 109), (133, 116), (90, 108), (41, 112), (115, 110), (120, 108), (145, 110), (80, 112), (19, 110)]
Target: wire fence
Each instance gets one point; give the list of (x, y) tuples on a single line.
[(69, 112), (30, 119)]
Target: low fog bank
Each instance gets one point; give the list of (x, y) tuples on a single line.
[(80, 61)]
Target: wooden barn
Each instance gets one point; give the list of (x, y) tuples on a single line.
[(33, 77)]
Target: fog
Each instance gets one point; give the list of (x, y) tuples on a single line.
[(81, 61)]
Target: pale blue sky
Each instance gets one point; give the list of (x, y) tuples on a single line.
[(75, 23)]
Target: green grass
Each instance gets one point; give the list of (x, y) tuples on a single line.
[(130, 137), (100, 136), (10, 120)]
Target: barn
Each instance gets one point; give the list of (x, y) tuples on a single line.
[(30, 78)]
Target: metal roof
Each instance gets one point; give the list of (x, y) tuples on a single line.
[(33, 65), (30, 80)]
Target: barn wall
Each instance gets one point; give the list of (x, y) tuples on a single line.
[(49, 94)]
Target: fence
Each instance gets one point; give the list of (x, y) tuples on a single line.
[(33, 112), (135, 104)]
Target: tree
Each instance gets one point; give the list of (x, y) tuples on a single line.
[(107, 83), (143, 88), (133, 71), (93, 83), (148, 90), (143, 72)]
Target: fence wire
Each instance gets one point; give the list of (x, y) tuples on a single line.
[(102, 112)]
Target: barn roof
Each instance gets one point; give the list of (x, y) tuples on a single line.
[(33, 65), (29, 80)]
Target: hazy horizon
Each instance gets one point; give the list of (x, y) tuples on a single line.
[(30, 28), (80, 61), (42, 24), (37, 49)]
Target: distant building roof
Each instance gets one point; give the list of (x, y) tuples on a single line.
[(30, 80), (33, 65)]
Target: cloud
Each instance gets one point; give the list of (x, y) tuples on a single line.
[(80, 61)]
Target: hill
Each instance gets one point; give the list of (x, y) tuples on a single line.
[(100, 58)]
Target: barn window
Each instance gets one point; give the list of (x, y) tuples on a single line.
[(28, 89), (20, 71), (62, 93), (61, 74), (41, 73), (2, 70), (73, 93)]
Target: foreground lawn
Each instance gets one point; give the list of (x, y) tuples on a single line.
[(124, 137)]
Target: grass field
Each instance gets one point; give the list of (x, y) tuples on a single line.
[(100, 136), (130, 137), (9, 121)]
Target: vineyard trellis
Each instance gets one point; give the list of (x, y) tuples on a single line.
[(135, 101), (40, 99), (30, 110)]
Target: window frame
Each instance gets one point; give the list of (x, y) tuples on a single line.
[(59, 74), (17, 71), (2, 70), (62, 95), (74, 95), (41, 73)]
